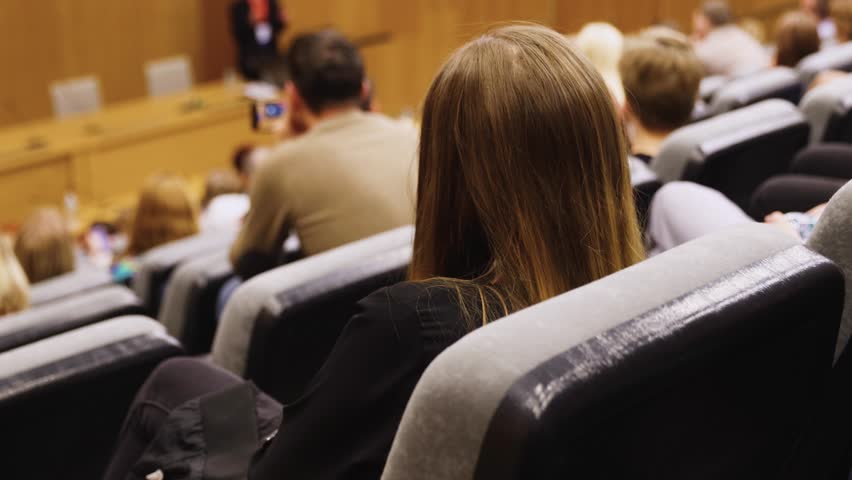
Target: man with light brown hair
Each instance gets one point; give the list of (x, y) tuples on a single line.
[(661, 75), (723, 47)]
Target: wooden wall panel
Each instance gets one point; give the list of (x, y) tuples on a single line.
[(48, 40)]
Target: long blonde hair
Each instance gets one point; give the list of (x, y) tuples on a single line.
[(524, 190), (44, 245), (166, 212), (14, 288)]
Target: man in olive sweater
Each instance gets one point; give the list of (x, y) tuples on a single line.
[(340, 175)]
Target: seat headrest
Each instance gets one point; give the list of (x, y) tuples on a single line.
[(710, 85), (693, 143), (825, 102), (160, 261), (451, 411), (188, 279), (109, 340), (66, 314), (832, 237), (640, 173), (778, 82), (71, 283), (237, 323), (838, 57)]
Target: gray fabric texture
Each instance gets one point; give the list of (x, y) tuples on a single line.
[(71, 343), (230, 345), (743, 91), (173, 253), (684, 145), (821, 103), (449, 413), (710, 85), (684, 211), (104, 299), (832, 238), (833, 58), (190, 276), (69, 284), (640, 172)]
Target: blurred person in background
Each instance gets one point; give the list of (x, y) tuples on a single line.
[(819, 12), (245, 161), (14, 288), (256, 25), (723, 47), (224, 204), (841, 16), (796, 37), (602, 43), (166, 212), (340, 174), (45, 246), (661, 76)]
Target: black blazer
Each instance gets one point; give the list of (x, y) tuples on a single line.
[(343, 427), (243, 28)]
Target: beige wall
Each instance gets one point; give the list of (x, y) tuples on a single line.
[(47, 40)]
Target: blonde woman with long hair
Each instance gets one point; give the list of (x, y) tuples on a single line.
[(166, 212), (524, 194), (14, 288)]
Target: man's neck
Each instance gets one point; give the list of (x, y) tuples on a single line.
[(647, 142), (329, 113)]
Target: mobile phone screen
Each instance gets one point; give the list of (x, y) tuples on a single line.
[(263, 114)]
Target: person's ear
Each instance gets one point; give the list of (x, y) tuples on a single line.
[(294, 99)]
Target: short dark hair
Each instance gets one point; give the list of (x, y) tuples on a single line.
[(326, 69), (718, 12)]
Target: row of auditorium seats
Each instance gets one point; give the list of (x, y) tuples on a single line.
[(723, 94), (723, 348)]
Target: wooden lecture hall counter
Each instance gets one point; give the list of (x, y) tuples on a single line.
[(104, 158)]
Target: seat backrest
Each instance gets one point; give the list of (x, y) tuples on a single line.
[(236, 327), (645, 185), (76, 96), (838, 57), (296, 330), (710, 85), (778, 82), (168, 76), (828, 109), (832, 238), (72, 283), (157, 265), (737, 151), (699, 363), (189, 303), (63, 399), (66, 314)]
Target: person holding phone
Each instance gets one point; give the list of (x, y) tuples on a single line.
[(340, 174), (256, 26)]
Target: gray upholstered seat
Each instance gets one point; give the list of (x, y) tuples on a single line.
[(189, 303), (66, 314), (258, 297), (157, 265), (838, 57), (72, 283), (736, 151), (828, 109), (778, 82), (704, 362), (645, 185), (63, 399), (832, 238), (710, 85)]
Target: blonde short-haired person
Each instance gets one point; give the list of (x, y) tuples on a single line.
[(661, 75), (602, 43), (14, 288), (44, 245), (523, 194)]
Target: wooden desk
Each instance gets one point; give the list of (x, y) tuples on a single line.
[(106, 156)]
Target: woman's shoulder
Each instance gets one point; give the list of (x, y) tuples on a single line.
[(428, 310)]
